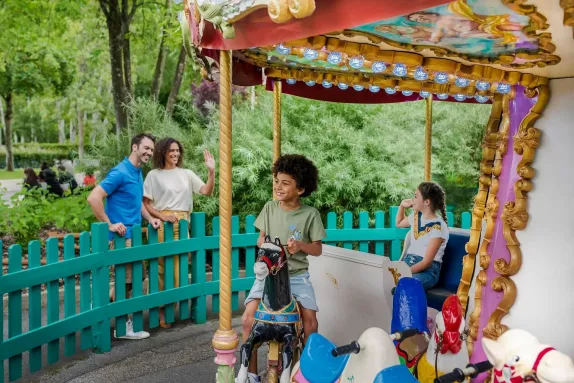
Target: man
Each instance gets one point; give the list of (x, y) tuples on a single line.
[(123, 189)]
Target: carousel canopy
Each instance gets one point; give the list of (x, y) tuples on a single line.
[(376, 51)]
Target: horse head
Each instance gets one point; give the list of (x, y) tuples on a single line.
[(518, 356), (271, 258)]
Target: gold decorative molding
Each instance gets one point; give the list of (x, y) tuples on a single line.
[(515, 215), (491, 214), (495, 328), (474, 320), (488, 155), (568, 6)]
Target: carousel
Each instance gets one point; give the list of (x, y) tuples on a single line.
[(507, 317)]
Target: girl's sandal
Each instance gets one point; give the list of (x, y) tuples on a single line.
[(162, 324)]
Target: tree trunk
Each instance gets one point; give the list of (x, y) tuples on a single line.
[(3, 130), (126, 47), (161, 56), (177, 79), (72, 133), (80, 134), (8, 122), (61, 131), (116, 42)]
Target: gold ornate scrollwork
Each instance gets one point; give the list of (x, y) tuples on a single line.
[(515, 215), (495, 328), (480, 200), (281, 11), (475, 316), (490, 215)]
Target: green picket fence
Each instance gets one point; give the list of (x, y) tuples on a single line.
[(91, 319)]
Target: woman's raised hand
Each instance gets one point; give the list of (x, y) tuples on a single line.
[(407, 203), (209, 161)]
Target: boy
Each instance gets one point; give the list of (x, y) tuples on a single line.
[(299, 227)]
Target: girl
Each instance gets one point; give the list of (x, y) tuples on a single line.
[(429, 232), (31, 179), (168, 194)]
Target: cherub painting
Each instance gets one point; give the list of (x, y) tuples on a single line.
[(483, 28)]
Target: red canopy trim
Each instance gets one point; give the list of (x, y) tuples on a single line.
[(257, 29)]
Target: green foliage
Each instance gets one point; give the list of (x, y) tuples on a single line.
[(369, 156), (36, 210), (28, 157)]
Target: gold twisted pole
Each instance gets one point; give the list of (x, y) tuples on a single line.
[(428, 138), (225, 340), (277, 85)]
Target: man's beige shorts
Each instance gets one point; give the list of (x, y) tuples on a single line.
[(128, 265)]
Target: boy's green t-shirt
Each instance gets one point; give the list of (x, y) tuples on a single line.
[(304, 224)]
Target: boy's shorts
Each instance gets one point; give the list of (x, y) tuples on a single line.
[(301, 288)]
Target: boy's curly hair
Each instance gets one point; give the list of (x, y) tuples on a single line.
[(301, 169)]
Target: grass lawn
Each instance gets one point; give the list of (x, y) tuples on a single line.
[(17, 174)]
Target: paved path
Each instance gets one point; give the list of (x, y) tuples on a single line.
[(14, 186), (180, 354)]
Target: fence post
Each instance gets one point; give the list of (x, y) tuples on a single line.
[(379, 224), (101, 279), (15, 311), (85, 291), (53, 295), (348, 225), (396, 243), (331, 225), (364, 225), (234, 261), (199, 305), (35, 305), (70, 294)]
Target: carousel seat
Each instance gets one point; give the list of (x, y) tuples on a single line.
[(451, 270), (317, 363)]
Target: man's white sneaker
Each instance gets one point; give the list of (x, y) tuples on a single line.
[(130, 334)]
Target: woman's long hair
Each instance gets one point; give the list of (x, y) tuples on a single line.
[(161, 151)]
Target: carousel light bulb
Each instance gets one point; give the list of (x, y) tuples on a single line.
[(462, 82), (481, 99), (378, 67), (420, 74), (400, 70), (334, 58), (327, 84), (390, 90), (310, 54), (424, 94), (291, 81), (440, 78), (459, 97), (374, 88), (310, 83), (343, 86), (356, 62), (358, 87), (282, 49), (482, 85), (442, 96), (407, 93), (503, 88)]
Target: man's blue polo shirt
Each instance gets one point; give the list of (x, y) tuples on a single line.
[(124, 185)]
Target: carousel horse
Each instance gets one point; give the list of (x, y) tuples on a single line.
[(277, 319), (371, 359), (410, 312), (518, 356), (447, 348)]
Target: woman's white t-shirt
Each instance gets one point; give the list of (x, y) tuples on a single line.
[(423, 230), (172, 189)]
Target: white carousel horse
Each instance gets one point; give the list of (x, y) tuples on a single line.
[(517, 354), (372, 359), (447, 343)]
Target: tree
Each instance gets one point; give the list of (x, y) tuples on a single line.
[(31, 61)]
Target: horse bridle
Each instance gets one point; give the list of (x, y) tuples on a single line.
[(274, 269)]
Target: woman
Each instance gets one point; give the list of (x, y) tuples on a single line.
[(168, 194), (48, 176), (31, 179)]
